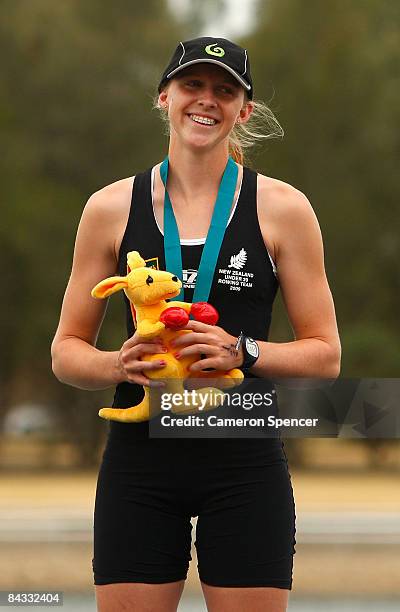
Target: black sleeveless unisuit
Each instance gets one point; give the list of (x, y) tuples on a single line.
[(240, 489), (244, 285)]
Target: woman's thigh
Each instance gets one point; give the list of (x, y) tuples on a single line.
[(245, 533), (139, 597), (261, 599), (142, 534)]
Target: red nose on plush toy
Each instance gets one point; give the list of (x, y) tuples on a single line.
[(204, 312), (174, 317)]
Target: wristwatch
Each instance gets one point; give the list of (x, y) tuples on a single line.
[(251, 350)]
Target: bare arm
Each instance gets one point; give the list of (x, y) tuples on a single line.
[(75, 359), (298, 251), (292, 234)]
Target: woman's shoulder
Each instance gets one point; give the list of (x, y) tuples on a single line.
[(280, 200), (106, 213), (284, 213), (113, 198)]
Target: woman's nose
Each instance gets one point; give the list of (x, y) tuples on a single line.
[(206, 98), (207, 103)]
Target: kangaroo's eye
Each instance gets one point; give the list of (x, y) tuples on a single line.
[(149, 280)]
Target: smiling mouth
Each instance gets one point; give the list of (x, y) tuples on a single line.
[(199, 120)]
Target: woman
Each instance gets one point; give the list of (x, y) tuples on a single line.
[(240, 490)]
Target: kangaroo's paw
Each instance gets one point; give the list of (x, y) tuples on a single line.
[(149, 330), (237, 376), (217, 379), (220, 382)]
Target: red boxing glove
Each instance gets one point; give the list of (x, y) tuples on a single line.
[(174, 317), (204, 312)]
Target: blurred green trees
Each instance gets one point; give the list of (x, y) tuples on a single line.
[(76, 92), (75, 110), (330, 72)]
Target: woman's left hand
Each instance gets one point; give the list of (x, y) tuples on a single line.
[(212, 341)]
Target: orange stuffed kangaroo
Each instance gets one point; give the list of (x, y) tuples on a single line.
[(148, 289)]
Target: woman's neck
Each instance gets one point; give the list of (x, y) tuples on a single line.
[(192, 174)]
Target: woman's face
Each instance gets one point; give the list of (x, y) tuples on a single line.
[(204, 102)]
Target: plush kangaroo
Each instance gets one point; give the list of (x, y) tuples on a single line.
[(148, 289)]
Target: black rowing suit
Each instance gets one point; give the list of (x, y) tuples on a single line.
[(240, 489)]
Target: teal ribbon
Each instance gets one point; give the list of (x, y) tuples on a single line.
[(215, 235)]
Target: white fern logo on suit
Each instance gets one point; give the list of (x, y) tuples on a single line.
[(238, 261), (233, 276)]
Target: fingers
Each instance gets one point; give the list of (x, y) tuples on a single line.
[(137, 365), (136, 352), (197, 326), (136, 339), (140, 379), (136, 373), (203, 364), (198, 349), (131, 365), (190, 338), (149, 365)]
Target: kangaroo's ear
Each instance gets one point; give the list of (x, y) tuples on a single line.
[(109, 286), (135, 260)]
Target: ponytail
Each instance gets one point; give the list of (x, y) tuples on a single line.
[(261, 125)]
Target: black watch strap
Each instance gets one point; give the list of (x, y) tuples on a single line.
[(251, 350)]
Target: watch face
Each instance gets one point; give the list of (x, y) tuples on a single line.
[(252, 347)]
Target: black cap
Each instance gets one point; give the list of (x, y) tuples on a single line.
[(218, 51)]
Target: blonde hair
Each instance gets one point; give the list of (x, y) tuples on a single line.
[(261, 125)]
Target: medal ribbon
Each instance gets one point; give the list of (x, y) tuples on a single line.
[(215, 235)]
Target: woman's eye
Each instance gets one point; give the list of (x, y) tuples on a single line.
[(226, 90)]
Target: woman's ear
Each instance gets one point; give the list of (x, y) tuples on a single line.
[(162, 99), (245, 112)]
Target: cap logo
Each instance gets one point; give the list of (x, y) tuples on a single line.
[(218, 51)]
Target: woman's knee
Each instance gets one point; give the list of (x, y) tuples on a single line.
[(140, 597), (247, 599)]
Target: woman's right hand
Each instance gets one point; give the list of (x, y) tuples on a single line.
[(130, 365)]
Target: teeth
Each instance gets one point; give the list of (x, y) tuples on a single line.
[(204, 120)]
